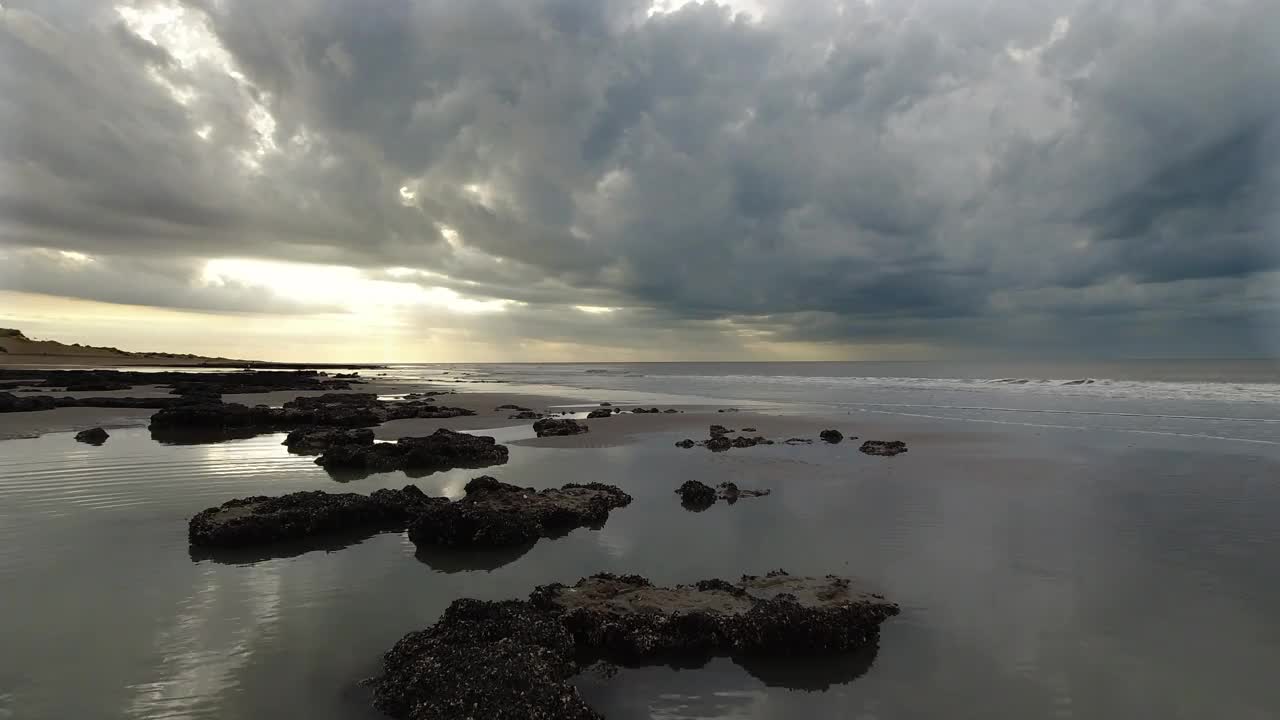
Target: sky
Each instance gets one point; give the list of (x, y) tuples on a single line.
[(507, 180)]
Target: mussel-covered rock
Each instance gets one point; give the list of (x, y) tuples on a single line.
[(318, 439), (440, 450), (92, 436), (494, 513)]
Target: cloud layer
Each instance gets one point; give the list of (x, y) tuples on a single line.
[(1042, 175)]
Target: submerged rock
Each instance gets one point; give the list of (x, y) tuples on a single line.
[(525, 415), (513, 407), (444, 449), (494, 513), (514, 659), (886, 448), (831, 436), (92, 436), (799, 441), (599, 414), (671, 411), (261, 519), (318, 439), (606, 404), (729, 491), (718, 430), (746, 442), (686, 444), (550, 427)]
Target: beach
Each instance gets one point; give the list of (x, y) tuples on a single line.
[(1071, 565)]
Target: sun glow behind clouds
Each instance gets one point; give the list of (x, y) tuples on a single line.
[(326, 286)]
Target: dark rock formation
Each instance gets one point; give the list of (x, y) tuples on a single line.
[(134, 403), (605, 404), (525, 415), (261, 519), (310, 440), (650, 411), (799, 441), (748, 430), (497, 514), (718, 430), (93, 386), (599, 414), (12, 403), (719, 443), (831, 436), (92, 436), (514, 659), (886, 448), (335, 410), (727, 410), (549, 427), (671, 411), (746, 442), (686, 444), (694, 494), (442, 450), (513, 407)]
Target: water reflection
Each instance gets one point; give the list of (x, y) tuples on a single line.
[(453, 560), (285, 548)]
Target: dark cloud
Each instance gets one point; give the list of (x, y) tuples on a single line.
[(831, 171)]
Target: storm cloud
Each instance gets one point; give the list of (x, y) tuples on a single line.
[(941, 174)]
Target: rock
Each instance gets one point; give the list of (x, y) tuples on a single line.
[(831, 436), (599, 414), (686, 444), (332, 410), (719, 443), (497, 514), (442, 450), (549, 427), (513, 407), (718, 430), (671, 411), (12, 403), (525, 415), (694, 494), (727, 410), (605, 404), (746, 442), (748, 430), (886, 448), (799, 441), (260, 520), (650, 411), (92, 386), (159, 403), (92, 436), (318, 439), (730, 492), (514, 659)]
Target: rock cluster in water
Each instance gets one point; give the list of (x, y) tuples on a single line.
[(699, 496), (331, 409), (514, 658), (311, 439), (494, 513), (719, 440), (552, 427), (441, 450)]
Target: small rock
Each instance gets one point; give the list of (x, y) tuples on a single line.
[(799, 441), (694, 494), (549, 427), (718, 430), (831, 436), (686, 444), (719, 443), (599, 414), (605, 404), (92, 436), (748, 430), (885, 448)]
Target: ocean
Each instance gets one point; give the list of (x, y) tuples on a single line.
[(1060, 548)]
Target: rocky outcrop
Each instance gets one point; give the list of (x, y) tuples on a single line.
[(257, 381), (514, 659), (309, 440), (513, 407), (831, 436), (799, 441), (495, 514), (550, 427), (92, 436), (261, 520), (12, 403), (718, 430), (700, 496), (719, 443), (442, 450), (885, 448), (599, 414), (745, 442), (331, 409), (686, 444), (525, 415)]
